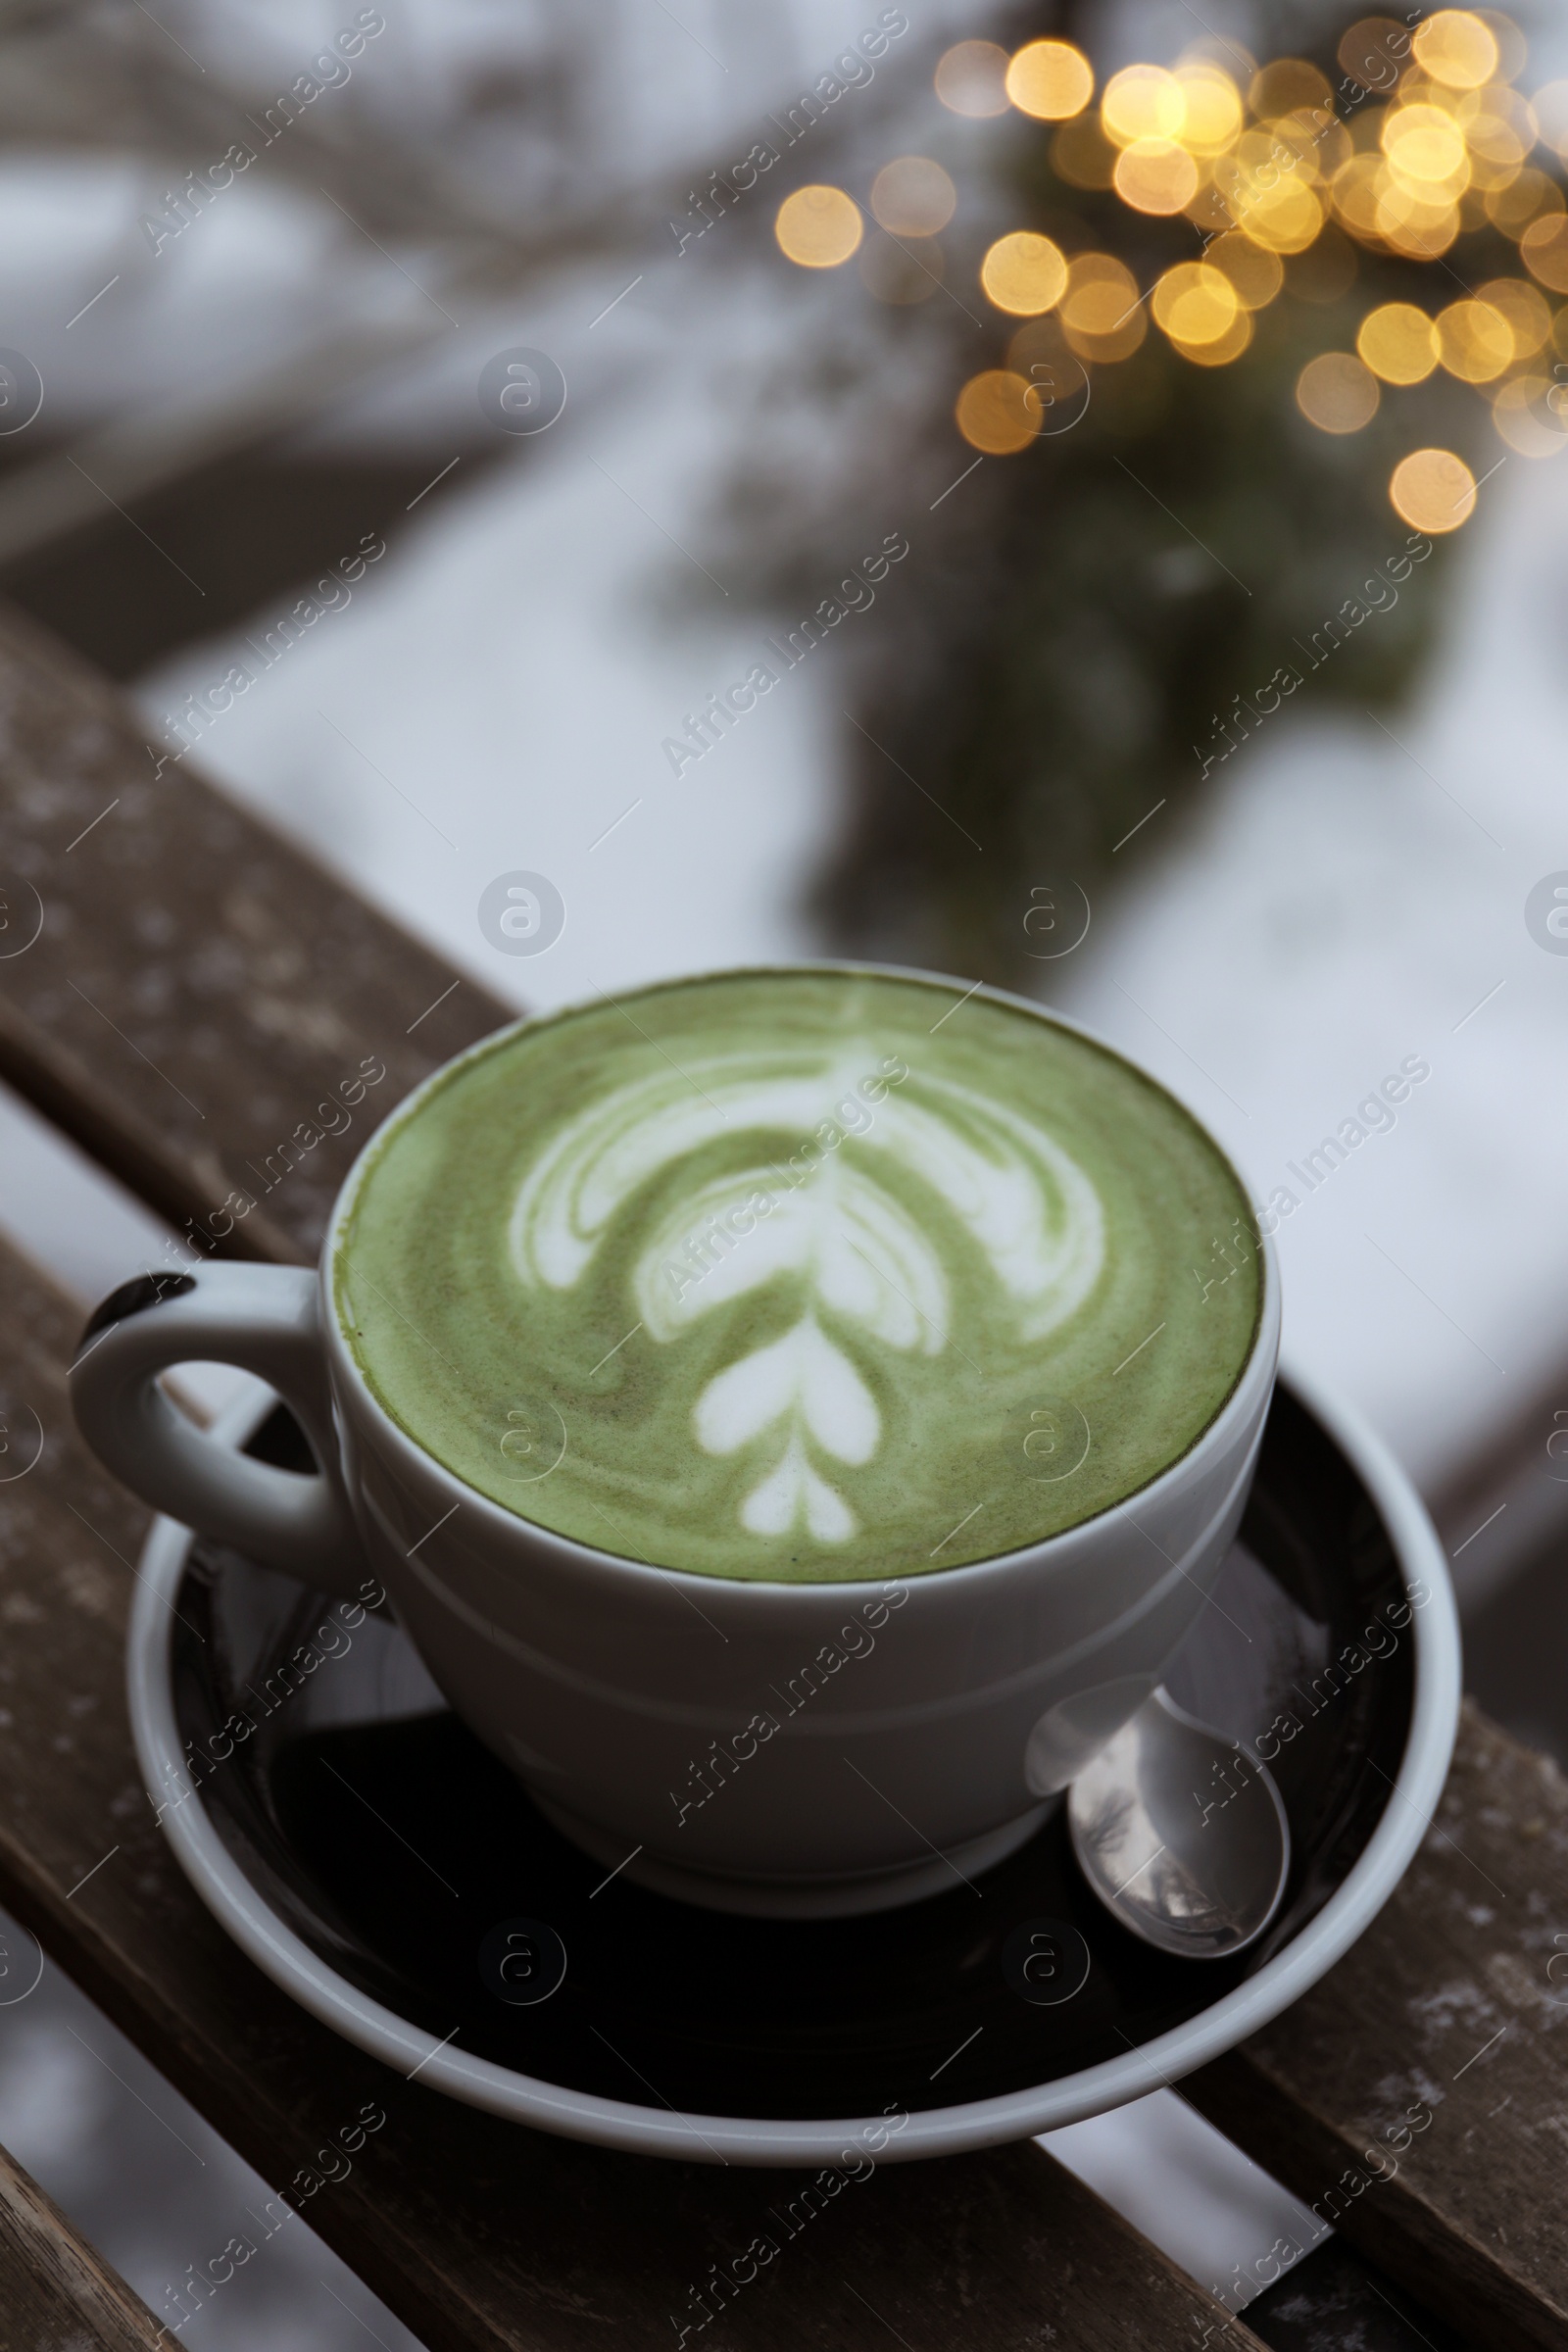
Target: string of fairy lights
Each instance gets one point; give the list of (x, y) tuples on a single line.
[(1285, 176)]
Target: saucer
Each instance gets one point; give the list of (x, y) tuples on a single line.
[(384, 1869)]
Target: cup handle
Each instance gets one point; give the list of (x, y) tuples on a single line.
[(265, 1320)]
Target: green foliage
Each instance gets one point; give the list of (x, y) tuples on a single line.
[(1139, 578)]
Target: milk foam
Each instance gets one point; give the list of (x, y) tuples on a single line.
[(797, 1261), (846, 1238)]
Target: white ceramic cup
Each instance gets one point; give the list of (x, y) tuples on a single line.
[(790, 1749)]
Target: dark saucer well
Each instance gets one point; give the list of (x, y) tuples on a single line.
[(377, 1827)]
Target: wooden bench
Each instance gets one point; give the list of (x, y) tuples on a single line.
[(195, 986)]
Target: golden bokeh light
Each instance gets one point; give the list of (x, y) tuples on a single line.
[(1398, 342), (1082, 154), (902, 274), (1263, 157), (1456, 49), (1528, 413), (913, 197), (1425, 149), (1522, 199), (1514, 50), (1421, 238), (1354, 195), (1212, 109), (1527, 310), (1059, 380), (1549, 108), (1272, 181), (1319, 148), (818, 228), (1285, 217), (1038, 339), (1143, 102), (1100, 312), (1433, 490), (1255, 272), (1499, 131), (1496, 158), (1208, 211), (1195, 303), (1024, 273), (1285, 84), (1059, 392), (1373, 52), (1050, 80), (1544, 250), (1422, 227), (1155, 176), (971, 79), (1225, 348), (1337, 392), (996, 414), (1475, 342)]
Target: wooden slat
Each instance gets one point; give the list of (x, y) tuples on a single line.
[(1454, 2008), (55, 2293), (477, 2231), (198, 987), (1333, 2301)]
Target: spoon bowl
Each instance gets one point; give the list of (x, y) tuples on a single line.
[(1181, 1833)]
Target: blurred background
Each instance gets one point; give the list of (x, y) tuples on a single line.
[(1125, 440)]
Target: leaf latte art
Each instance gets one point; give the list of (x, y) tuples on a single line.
[(812, 1269), (838, 1240)]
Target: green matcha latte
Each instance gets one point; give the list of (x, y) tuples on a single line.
[(800, 1275)]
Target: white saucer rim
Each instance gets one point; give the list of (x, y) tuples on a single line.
[(372, 2026)]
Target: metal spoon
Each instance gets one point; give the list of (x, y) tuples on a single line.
[(1181, 1833)]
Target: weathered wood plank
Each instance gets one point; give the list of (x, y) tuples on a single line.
[(1418, 2097), (475, 2231), (198, 990), (55, 2293), (1333, 2300)]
